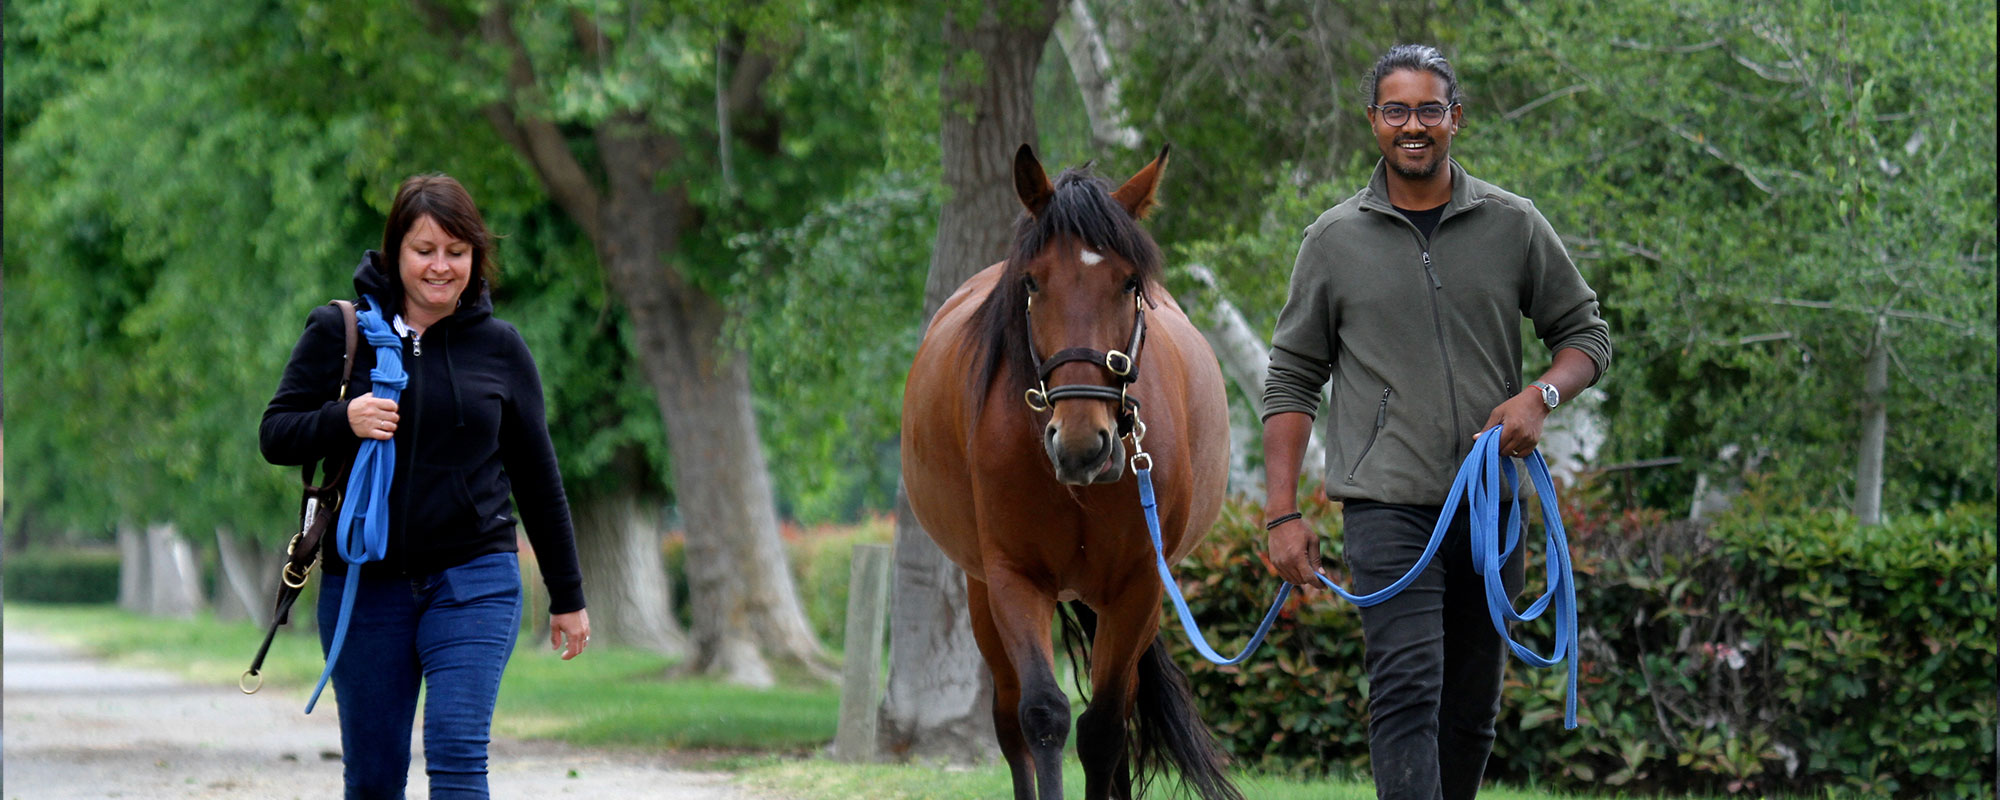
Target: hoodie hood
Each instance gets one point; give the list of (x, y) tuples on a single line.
[(374, 276)]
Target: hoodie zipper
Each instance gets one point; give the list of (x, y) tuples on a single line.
[(408, 410), (1444, 354), (1381, 417)]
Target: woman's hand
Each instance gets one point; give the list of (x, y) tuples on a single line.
[(570, 632), (372, 417)]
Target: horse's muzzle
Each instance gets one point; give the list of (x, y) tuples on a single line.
[(1080, 461)]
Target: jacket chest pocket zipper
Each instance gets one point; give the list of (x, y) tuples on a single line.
[(1381, 417)]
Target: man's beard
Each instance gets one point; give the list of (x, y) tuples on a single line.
[(1423, 171)]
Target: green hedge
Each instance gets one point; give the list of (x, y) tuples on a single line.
[(1772, 651), (63, 576)]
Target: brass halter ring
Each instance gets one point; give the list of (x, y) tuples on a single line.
[(1038, 399), (244, 684)]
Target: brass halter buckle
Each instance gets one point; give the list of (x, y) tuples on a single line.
[(244, 684), (296, 580), (1119, 363)]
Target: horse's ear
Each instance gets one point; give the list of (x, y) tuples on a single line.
[(1031, 183), (1137, 194)]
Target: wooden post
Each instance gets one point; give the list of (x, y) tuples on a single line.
[(861, 687)]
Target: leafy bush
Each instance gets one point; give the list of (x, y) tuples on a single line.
[(63, 576), (1777, 650)]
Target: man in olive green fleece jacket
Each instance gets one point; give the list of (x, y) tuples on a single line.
[(1409, 297)]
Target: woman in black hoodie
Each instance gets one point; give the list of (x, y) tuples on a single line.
[(441, 606)]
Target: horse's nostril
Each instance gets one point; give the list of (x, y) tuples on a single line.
[(1103, 442), (1051, 431)]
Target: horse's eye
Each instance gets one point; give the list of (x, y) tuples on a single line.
[(1030, 281), (1132, 285)]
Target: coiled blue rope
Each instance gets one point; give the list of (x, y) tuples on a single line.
[(1478, 485), (367, 497)]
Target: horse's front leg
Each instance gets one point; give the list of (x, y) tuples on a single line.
[(1006, 689), (1125, 627), (1021, 614)]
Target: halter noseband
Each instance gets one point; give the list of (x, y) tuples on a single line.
[(1123, 366)]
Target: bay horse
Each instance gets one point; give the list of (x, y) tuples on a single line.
[(1014, 461)]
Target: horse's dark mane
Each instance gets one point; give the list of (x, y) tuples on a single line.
[(1082, 208)]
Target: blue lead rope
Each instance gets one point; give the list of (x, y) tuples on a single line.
[(1174, 588), (1478, 485), (367, 498)]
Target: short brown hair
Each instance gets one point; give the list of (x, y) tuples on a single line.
[(445, 200)]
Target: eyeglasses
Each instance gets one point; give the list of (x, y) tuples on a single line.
[(1395, 115)]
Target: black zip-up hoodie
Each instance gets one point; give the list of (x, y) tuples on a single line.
[(471, 432)]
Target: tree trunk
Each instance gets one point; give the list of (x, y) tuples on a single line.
[(938, 703), (1874, 429), (1090, 61), (135, 571), (176, 574), (248, 579), (631, 600), (744, 606), (1245, 357)]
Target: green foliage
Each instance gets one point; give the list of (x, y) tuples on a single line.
[(63, 576), (1778, 651), (1750, 190), (830, 315)]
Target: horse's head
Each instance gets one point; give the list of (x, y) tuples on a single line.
[(1084, 268)]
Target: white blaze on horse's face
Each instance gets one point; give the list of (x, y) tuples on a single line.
[(1085, 301)]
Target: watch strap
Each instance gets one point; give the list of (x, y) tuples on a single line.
[(1551, 396)]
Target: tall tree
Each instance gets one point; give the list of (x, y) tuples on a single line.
[(939, 698), (1779, 201), (584, 99)]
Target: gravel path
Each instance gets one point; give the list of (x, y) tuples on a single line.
[(78, 728)]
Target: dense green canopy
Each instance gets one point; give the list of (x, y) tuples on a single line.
[(1751, 190)]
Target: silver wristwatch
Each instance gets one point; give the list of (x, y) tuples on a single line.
[(1550, 396)]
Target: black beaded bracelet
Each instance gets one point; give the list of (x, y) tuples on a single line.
[(1282, 520)]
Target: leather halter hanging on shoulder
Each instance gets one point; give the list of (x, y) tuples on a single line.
[(1123, 366)]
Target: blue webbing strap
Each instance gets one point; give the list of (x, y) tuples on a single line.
[(367, 498), (1174, 589), (1478, 485)]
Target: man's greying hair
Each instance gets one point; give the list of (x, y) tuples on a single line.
[(1420, 57)]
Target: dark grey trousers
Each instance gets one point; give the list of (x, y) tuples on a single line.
[(1434, 662)]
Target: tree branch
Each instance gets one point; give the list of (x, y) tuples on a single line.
[(1090, 63), (1537, 102), (1769, 73), (1887, 312), (1629, 248), (539, 139), (1630, 44)]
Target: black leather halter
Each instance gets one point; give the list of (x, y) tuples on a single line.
[(1123, 366)]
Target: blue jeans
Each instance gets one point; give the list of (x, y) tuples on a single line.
[(1434, 662), (450, 631)]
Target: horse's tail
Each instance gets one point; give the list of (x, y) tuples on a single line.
[(1165, 730), (1168, 730)]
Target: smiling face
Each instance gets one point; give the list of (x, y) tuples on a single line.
[(1413, 151), (435, 267)]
